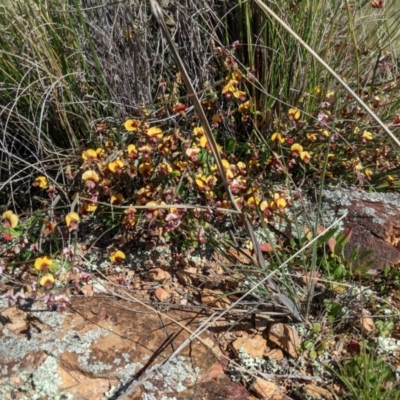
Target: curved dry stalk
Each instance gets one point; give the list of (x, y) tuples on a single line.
[(157, 12), (284, 300), (195, 335), (163, 206), (279, 297)]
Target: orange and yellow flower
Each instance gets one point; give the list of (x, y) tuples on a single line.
[(9, 219), (368, 173), (132, 151), (164, 168), (305, 156), (72, 220), (253, 164), (311, 137), (204, 144), (116, 166), (230, 87), (367, 136), (92, 155), (132, 125), (48, 227), (41, 182), (47, 281), (240, 95), (43, 263), (277, 138), (152, 212), (204, 182), (296, 149), (279, 201), (154, 132), (116, 198), (244, 107), (91, 178), (253, 201), (89, 207), (294, 114), (180, 166), (117, 257), (390, 179), (145, 168), (198, 131), (129, 219)]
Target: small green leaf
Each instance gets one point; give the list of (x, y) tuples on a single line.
[(230, 145), (309, 345), (203, 156), (316, 327), (55, 267), (320, 348)]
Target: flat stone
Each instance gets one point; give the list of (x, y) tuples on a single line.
[(101, 344), (14, 319), (254, 347), (285, 337), (266, 390)]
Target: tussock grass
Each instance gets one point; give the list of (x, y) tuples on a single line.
[(66, 65)]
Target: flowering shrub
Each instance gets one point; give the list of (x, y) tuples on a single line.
[(161, 175)]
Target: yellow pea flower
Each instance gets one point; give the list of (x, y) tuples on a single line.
[(116, 257), (41, 182), (366, 136), (155, 132), (116, 165), (72, 220), (89, 155), (116, 198), (43, 263), (89, 207), (145, 168), (47, 281), (277, 138), (9, 219), (368, 173), (90, 178), (132, 125), (294, 114), (305, 156), (132, 151), (198, 131), (296, 148), (311, 137)]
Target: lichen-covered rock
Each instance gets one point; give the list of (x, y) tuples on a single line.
[(374, 222), (372, 218), (99, 345)]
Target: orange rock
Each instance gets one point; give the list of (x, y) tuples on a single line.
[(286, 337), (254, 347), (161, 294), (275, 354), (266, 390), (159, 275), (316, 392)]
